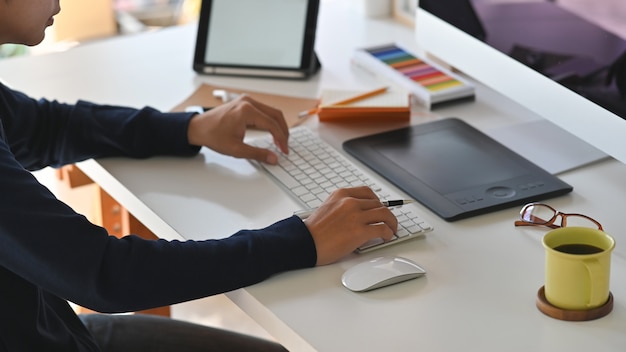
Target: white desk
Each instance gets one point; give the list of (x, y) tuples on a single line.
[(483, 273)]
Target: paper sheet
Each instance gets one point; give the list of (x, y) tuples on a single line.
[(390, 98), (290, 106)]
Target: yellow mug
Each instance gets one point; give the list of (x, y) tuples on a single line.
[(578, 267)]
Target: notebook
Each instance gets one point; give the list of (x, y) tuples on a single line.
[(392, 105)]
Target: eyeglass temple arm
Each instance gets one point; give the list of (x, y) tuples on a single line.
[(524, 223)]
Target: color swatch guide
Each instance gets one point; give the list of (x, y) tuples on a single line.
[(431, 85)]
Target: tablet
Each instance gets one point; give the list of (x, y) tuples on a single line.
[(264, 38), (454, 169)]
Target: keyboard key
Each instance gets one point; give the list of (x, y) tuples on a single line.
[(283, 176)]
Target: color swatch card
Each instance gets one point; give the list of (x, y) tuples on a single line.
[(389, 105), (430, 84)]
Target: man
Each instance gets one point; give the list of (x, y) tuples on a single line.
[(41, 266)]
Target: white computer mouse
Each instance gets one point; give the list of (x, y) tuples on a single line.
[(380, 272)]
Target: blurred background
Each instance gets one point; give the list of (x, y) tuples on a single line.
[(81, 21)]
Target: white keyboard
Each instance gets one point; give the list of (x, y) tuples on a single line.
[(313, 169)]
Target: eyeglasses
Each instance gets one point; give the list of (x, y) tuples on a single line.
[(538, 214)]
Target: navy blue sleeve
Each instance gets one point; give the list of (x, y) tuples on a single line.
[(48, 244), (48, 133)]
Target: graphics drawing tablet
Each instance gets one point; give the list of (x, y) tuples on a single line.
[(454, 169)]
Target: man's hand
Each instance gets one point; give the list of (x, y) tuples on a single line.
[(346, 220), (223, 129)]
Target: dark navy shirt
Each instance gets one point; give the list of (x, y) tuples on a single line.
[(49, 254)]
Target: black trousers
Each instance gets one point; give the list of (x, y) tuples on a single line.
[(141, 332)]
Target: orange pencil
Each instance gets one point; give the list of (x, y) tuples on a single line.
[(346, 101)]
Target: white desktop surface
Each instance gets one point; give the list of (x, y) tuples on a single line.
[(483, 273)]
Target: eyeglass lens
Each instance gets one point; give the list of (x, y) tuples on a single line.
[(542, 214), (538, 214)]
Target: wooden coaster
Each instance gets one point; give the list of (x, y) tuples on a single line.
[(572, 315)]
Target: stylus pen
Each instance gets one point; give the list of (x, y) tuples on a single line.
[(346, 101), (303, 214)]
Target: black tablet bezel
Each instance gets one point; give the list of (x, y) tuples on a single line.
[(528, 182), (309, 62)]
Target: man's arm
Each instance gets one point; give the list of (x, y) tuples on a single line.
[(45, 242), (48, 133)]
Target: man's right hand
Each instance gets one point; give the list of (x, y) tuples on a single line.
[(346, 220)]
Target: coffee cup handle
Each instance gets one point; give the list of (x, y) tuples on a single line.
[(593, 269)]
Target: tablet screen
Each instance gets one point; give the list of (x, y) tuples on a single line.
[(240, 33), (269, 38)]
